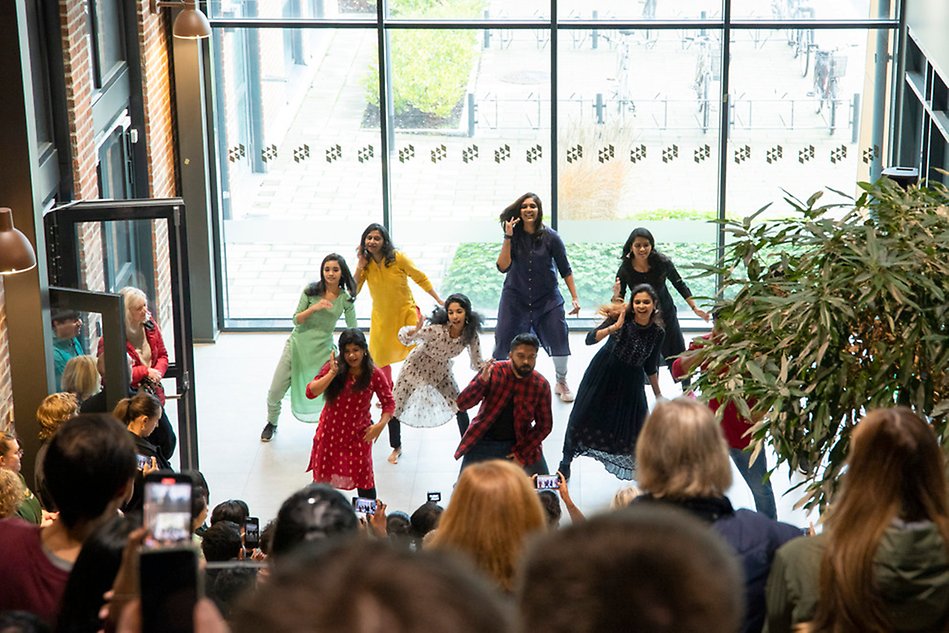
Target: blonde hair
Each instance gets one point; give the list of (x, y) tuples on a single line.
[(623, 497), (81, 377), (682, 452), (55, 409), (493, 511), (130, 294), (11, 493)]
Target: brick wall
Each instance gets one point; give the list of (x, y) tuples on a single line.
[(159, 136), (6, 384)]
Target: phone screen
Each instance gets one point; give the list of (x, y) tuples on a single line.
[(548, 482), (170, 589), (142, 461), (251, 533), (435, 497), (363, 505), (167, 510)]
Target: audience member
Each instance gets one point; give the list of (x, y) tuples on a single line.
[(366, 586), (234, 510), (648, 569), (551, 503), (140, 414), (89, 466), (736, 430), (399, 530), (66, 345), (624, 497), (683, 461), (10, 459), (425, 520), (493, 511), (576, 516), (81, 378), (92, 575), (11, 493), (21, 622), (222, 542), (317, 512), (266, 537), (55, 409), (882, 563)]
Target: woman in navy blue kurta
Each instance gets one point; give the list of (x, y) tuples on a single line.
[(531, 256)]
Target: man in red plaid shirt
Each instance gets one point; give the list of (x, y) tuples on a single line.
[(514, 417)]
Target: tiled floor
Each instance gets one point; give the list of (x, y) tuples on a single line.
[(232, 378)]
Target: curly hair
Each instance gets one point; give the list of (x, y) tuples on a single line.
[(11, 493), (55, 409)]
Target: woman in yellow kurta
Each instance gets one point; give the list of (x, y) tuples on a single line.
[(387, 271)]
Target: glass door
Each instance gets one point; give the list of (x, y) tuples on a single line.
[(85, 255)]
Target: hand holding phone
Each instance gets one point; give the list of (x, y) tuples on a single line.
[(251, 533), (363, 505)]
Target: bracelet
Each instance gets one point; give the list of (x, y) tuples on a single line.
[(506, 236)]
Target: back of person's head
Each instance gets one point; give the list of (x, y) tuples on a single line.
[(365, 586), (81, 377), (895, 470), (647, 569), (11, 493), (681, 452), (141, 404), (493, 510), (89, 464), (92, 575), (552, 510), (399, 528), (21, 622), (266, 537), (314, 513), (221, 542), (55, 409), (234, 510), (199, 505), (425, 519), (623, 497)]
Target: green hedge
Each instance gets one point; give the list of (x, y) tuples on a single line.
[(473, 272), (430, 66)]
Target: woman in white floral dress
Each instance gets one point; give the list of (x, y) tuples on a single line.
[(425, 391)]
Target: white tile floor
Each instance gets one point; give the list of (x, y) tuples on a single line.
[(232, 378)]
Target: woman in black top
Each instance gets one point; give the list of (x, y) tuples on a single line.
[(140, 415), (643, 264)]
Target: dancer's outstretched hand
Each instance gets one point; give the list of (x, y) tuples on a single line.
[(485, 375), (509, 226), (334, 364)]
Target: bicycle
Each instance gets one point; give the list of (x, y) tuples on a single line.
[(829, 67), (803, 38), (704, 70)]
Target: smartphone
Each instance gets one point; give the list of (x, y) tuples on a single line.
[(170, 587), (142, 461), (168, 509), (435, 497), (547, 482), (363, 505), (251, 533)]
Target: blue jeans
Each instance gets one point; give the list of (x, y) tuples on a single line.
[(754, 475), (483, 450)]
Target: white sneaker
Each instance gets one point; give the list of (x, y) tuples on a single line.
[(563, 391)]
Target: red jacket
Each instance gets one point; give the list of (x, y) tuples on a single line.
[(159, 358), (733, 425)]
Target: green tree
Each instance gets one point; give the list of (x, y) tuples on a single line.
[(828, 318)]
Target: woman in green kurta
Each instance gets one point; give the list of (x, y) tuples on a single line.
[(311, 342)]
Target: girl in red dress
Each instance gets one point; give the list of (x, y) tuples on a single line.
[(342, 445)]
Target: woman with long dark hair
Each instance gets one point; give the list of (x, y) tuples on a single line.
[(426, 393), (309, 345), (532, 255), (611, 402), (387, 271), (643, 264), (882, 563), (342, 445)]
